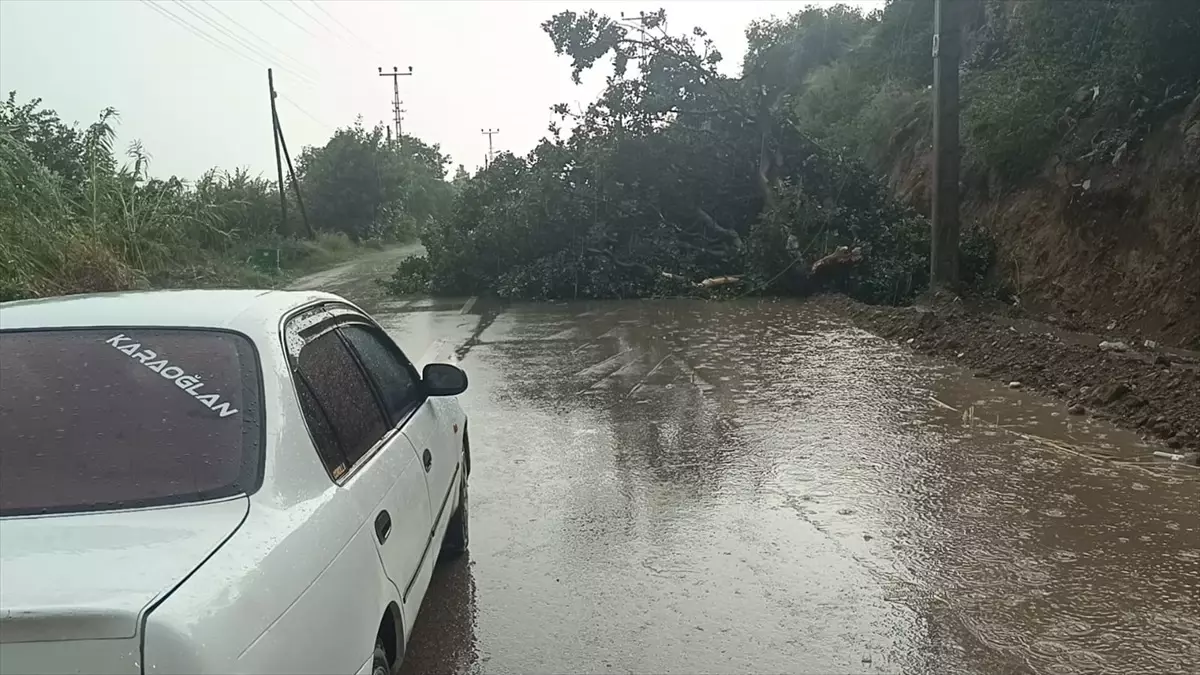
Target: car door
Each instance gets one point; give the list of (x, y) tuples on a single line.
[(413, 413), (365, 452)]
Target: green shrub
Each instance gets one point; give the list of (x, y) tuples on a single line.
[(411, 277), (830, 103), (74, 218), (1011, 118)]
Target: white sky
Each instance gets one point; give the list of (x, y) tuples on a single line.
[(196, 106)]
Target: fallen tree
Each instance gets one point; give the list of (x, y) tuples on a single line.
[(677, 179)]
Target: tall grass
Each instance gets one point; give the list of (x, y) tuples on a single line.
[(118, 229)]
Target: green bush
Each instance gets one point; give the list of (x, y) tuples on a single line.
[(411, 277), (1011, 120), (367, 187), (830, 103), (895, 114), (679, 174), (75, 218)]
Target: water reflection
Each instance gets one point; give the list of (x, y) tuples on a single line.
[(444, 640), (759, 470)]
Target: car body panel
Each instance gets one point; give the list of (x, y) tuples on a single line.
[(395, 474), (232, 309), (90, 657), (305, 566), (414, 591), (107, 569), (255, 606)]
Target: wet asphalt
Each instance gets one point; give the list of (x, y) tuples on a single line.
[(756, 486)]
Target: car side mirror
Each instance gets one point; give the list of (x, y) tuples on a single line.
[(443, 379)]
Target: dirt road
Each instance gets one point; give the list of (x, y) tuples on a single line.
[(758, 486), (359, 278)]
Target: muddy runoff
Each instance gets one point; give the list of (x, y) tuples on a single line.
[(759, 486), (1137, 383)]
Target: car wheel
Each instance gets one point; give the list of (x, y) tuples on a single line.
[(379, 664), (458, 529)]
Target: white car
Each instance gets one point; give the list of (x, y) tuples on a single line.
[(219, 482)]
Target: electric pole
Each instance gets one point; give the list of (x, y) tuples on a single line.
[(396, 75), (281, 144), (283, 226), (641, 23), (947, 53), (487, 160)]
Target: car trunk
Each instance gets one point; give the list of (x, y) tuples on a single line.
[(73, 588)]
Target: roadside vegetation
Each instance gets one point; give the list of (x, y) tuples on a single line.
[(1080, 78), (806, 172), (680, 180), (79, 215)]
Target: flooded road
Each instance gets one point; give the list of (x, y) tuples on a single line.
[(756, 486)]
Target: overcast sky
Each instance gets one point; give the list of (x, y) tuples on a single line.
[(197, 105)]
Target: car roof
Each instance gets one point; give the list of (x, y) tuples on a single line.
[(227, 309)]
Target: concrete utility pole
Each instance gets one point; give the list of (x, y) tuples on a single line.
[(487, 160), (283, 226), (281, 144), (947, 53), (396, 75)]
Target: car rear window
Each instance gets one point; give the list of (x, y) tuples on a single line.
[(121, 418)]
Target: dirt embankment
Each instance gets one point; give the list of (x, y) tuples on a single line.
[(1089, 244), (1143, 387)]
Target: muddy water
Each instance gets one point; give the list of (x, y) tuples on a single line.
[(758, 487)]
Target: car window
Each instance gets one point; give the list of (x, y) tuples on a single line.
[(340, 390), (322, 433), (122, 418), (396, 382)]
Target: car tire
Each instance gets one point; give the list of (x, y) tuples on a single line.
[(457, 536), (379, 663)]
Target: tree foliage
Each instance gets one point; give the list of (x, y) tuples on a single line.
[(1086, 79), (674, 174), (362, 185), (1080, 78)]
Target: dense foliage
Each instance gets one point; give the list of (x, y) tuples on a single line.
[(363, 185), (676, 174), (1083, 79), (74, 217)]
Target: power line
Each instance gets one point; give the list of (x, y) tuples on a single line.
[(358, 40), (305, 12), (244, 43), (199, 33), (279, 52), (317, 21), (287, 18), (352, 41), (304, 112), (227, 48), (203, 35)]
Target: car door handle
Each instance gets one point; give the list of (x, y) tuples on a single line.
[(427, 458), (383, 526)]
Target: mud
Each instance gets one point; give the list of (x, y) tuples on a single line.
[(1153, 390)]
